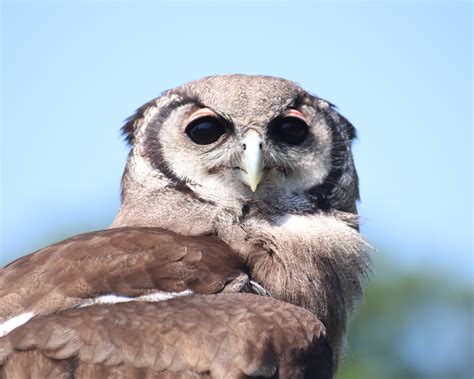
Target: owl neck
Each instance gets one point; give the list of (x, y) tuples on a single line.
[(316, 261)]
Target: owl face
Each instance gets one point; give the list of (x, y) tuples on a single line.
[(250, 137)]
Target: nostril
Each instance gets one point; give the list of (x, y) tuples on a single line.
[(260, 145), (244, 146)]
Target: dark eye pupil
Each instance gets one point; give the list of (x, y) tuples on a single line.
[(290, 130), (205, 130)]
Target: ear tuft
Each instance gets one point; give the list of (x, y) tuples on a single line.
[(132, 122), (332, 112), (348, 128)]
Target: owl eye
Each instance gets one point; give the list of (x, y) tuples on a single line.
[(290, 130), (205, 130)]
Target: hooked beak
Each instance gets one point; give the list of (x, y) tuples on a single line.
[(251, 164)]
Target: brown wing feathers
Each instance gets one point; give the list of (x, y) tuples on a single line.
[(219, 336), (216, 336), (123, 261)]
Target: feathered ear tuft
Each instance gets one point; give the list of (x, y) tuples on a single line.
[(348, 128), (132, 122), (333, 115), (345, 125)]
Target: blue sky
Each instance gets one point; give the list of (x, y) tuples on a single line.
[(401, 72)]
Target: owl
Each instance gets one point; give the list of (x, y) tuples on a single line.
[(236, 251)]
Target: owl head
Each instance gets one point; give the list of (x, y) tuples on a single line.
[(254, 139)]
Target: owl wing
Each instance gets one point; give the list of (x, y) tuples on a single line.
[(116, 265), (198, 336)]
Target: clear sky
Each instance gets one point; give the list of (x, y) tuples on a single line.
[(401, 72)]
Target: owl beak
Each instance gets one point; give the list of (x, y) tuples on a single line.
[(251, 163)]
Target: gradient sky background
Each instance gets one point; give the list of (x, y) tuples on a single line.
[(401, 72)]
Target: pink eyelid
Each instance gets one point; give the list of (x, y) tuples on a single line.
[(294, 113), (201, 113)]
